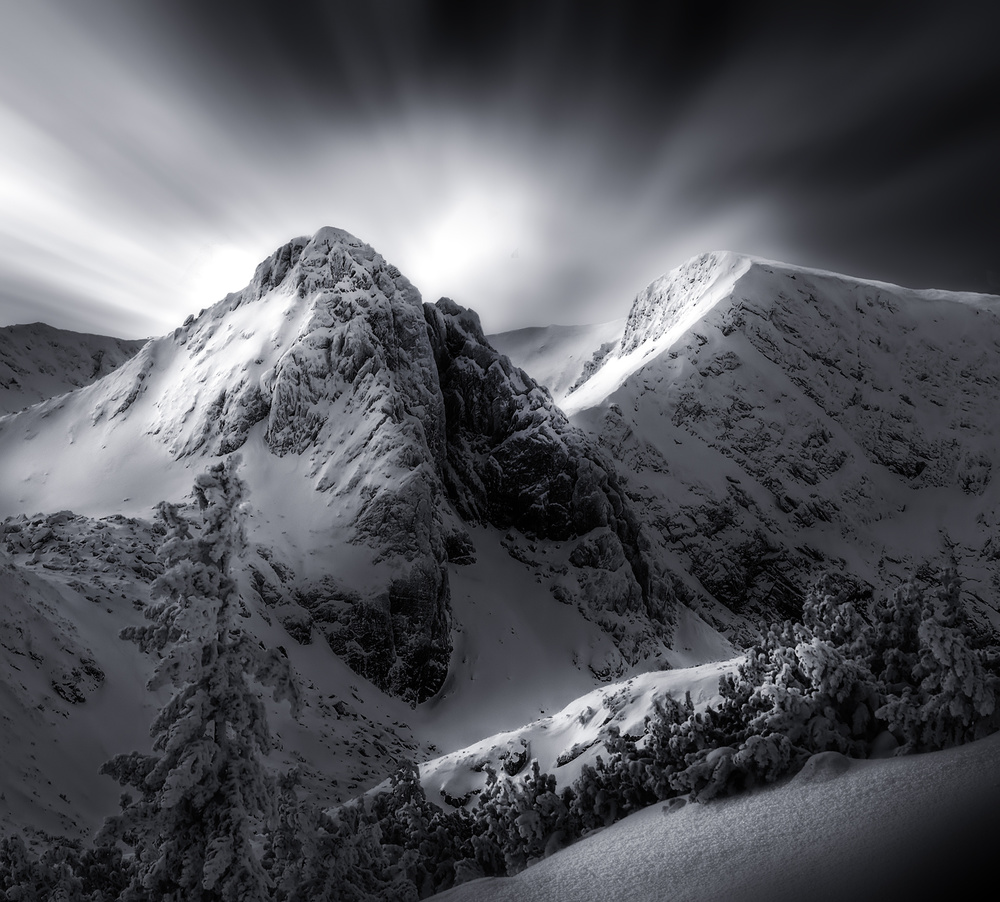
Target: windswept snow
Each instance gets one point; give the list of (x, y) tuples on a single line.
[(566, 740), (660, 315), (920, 827)]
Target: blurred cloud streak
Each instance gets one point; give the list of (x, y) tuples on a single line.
[(541, 166)]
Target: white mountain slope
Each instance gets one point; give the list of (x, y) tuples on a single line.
[(39, 362), (401, 468), (556, 356), (323, 372), (774, 421), (422, 518), (563, 742)]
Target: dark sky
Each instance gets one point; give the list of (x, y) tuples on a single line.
[(538, 162)]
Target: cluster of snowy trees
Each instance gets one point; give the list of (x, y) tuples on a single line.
[(913, 675), (209, 822), (204, 793)]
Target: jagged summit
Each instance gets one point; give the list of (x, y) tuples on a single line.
[(676, 300), (330, 248)]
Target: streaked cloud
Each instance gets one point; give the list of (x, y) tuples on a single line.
[(543, 169)]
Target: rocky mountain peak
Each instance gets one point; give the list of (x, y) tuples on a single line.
[(780, 418), (386, 423), (660, 314)]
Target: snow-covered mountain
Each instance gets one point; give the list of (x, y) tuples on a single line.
[(422, 515), (776, 421), (427, 527), (39, 362)]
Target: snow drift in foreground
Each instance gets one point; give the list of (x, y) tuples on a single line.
[(919, 827)]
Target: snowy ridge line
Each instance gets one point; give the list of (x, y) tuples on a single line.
[(671, 305), (660, 315), (38, 362)]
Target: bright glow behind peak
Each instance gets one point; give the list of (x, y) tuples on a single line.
[(217, 270)]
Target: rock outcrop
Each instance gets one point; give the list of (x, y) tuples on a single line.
[(514, 461)]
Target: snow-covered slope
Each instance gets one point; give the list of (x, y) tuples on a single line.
[(777, 420), (919, 827), (563, 742), (365, 423), (660, 315), (39, 362), (339, 452)]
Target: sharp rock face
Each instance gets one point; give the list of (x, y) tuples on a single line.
[(514, 460)]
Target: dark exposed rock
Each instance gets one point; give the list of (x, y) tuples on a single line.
[(603, 552), (459, 547), (514, 460)]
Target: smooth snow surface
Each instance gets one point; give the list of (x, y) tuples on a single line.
[(921, 827), (519, 653), (556, 356)]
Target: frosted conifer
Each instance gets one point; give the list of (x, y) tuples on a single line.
[(205, 784), (951, 696)]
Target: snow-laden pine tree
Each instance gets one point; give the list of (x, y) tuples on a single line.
[(942, 693), (204, 787)]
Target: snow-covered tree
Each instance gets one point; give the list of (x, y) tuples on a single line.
[(344, 860), (27, 877), (939, 691), (205, 786)]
